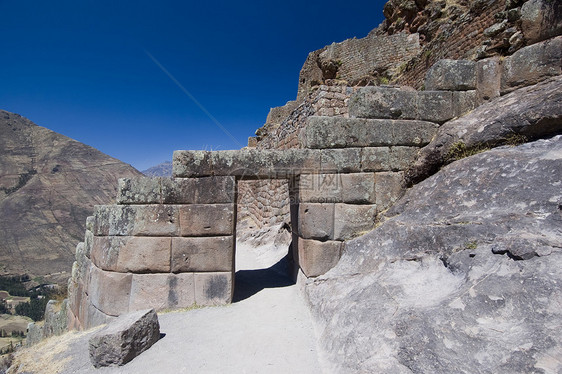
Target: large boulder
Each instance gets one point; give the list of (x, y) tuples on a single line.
[(463, 275), (541, 19), (525, 114), (124, 338)]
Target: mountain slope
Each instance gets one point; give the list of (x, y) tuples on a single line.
[(161, 170), (48, 186)]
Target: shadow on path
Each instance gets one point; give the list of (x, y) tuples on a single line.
[(250, 282)]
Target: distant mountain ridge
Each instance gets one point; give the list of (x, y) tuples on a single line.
[(161, 170), (49, 184)]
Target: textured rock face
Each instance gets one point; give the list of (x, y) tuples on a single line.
[(463, 275), (533, 112), (48, 186), (124, 339), (541, 19)]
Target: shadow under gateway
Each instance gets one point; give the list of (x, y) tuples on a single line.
[(249, 282)]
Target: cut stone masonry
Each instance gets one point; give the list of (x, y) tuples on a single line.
[(170, 242)]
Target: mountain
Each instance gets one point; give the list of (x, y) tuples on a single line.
[(161, 170), (49, 184)]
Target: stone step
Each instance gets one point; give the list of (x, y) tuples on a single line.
[(337, 132), (401, 103)]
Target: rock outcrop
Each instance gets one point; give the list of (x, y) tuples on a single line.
[(462, 276), (48, 186), (528, 113)]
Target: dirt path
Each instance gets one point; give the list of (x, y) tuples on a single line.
[(266, 330)]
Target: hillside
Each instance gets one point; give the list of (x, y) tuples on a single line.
[(161, 170), (48, 186)]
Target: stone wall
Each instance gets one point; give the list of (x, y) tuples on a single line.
[(167, 244), (170, 242), (263, 203), (457, 40), (266, 202), (356, 61)]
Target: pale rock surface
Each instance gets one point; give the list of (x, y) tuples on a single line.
[(533, 112), (463, 275)]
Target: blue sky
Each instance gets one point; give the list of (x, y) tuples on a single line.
[(84, 68)]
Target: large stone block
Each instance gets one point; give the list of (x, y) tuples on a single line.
[(337, 132), (90, 223), (292, 162), (187, 164), (132, 254), (541, 19), (464, 102), (88, 242), (205, 190), (109, 292), (95, 317), (358, 188), (316, 258), (316, 221), (124, 338), (213, 288), (388, 188), (388, 158), (532, 64), (435, 106), (135, 220), (139, 190), (353, 220), (202, 254), (400, 103), (383, 102), (162, 291), (206, 219), (451, 75), (320, 188), (245, 163), (340, 160), (488, 78)]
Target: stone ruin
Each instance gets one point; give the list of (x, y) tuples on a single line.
[(170, 243)]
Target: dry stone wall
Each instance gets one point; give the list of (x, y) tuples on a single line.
[(170, 242), (356, 61), (266, 202), (167, 244)]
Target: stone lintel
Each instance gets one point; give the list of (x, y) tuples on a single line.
[(393, 139)]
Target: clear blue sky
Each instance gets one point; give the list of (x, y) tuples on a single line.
[(83, 68)]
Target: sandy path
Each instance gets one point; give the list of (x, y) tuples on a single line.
[(266, 330)]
